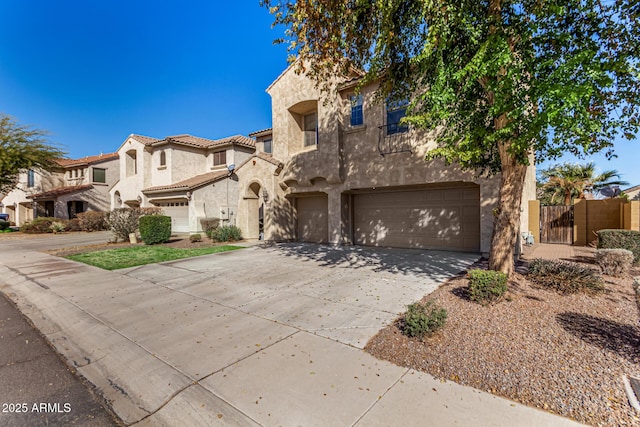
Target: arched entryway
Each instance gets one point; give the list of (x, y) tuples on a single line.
[(254, 212)]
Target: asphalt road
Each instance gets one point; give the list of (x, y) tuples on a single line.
[(36, 387)]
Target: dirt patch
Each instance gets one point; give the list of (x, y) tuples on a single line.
[(565, 354)]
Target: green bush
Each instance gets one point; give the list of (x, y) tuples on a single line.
[(155, 229), (620, 239), (614, 262), (195, 238), (486, 286), (124, 221), (4, 225), (565, 277), (40, 224), (57, 227), (92, 221), (227, 233), (423, 319)]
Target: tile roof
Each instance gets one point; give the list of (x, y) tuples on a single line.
[(145, 140), (89, 160), (195, 141), (60, 191), (270, 159), (191, 183), (262, 132)]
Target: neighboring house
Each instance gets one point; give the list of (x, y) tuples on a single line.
[(633, 192), (76, 186), (190, 178), (354, 175)]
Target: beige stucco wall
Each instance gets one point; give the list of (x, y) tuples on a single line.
[(16, 202), (130, 185)]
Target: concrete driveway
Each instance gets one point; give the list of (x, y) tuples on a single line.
[(262, 336)]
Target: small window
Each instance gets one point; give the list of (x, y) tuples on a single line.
[(82, 172), (220, 158), (311, 129), (163, 158), (395, 112), (31, 178), (267, 146), (99, 175), (357, 118)]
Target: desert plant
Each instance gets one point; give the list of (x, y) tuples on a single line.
[(91, 220), (209, 224), (4, 225), (155, 229), (565, 277), (57, 227), (486, 286), (614, 262), (195, 238), (124, 221), (226, 233), (38, 225), (620, 239), (423, 319)]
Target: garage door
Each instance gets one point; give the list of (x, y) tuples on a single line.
[(312, 219), (441, 218), (179, 213)]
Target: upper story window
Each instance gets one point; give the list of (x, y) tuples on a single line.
[(220, 158), (268, 148), (357, 117), (131, 165), (396, 110), (99, 175), (310, 122), (163, 158), (31, 178)]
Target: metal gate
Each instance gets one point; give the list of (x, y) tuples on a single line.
[(556, 224)]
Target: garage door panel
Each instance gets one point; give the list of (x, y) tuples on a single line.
[(431, 218), (313, 219)]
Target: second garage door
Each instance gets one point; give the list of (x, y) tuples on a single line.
[(312, 219), (436, 218)]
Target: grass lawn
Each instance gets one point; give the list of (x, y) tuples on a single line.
[(113, 259)]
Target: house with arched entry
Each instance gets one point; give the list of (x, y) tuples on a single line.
[(354, 174)]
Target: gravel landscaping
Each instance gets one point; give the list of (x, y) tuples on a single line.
[(565, 354)]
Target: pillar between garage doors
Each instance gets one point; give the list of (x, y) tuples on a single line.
[(334, 209)]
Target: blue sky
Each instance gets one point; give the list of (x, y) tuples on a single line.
[(93, 72)]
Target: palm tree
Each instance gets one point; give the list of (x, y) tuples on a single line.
[(570, 181)]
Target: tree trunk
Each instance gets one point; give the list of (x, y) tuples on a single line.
[(507, 217)]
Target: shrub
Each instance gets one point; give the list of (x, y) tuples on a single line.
[(57, 227), (227, 233), (92, 221), (195, 238), (41, 224), (124, 221), (620, 239), (614, 262), (209, 224), (486, 286), (4, 225), (73, 225), (565, 277), (423, 319), (155, 229)]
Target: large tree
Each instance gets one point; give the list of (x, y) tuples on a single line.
[(565, 182), (501, 79), (23, 148)]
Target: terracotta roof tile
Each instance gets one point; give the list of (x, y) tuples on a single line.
[(60, 191), (191, 183), (195, 141), (145, 140), (89, 160), (262, 132), (270, 159)]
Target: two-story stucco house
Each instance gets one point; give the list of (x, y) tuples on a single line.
[(354, 175), (190, 178), (76, 186)]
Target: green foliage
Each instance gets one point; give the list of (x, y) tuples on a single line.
[(226, 233), (486, 286), (92, 221), (424, 319), (559, 184), (155, 229), (57, 227), (621, 239), (41, 224), (22, 148), (614, 262), (565, 277), (209, 224), (124, 221), (195, 238), (4, 225)]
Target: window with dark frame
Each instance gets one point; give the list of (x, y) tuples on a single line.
[(31, 178), (220, 158), (357, 118), (163, 158), (310, 122), (268, 146), (100, 175), (396, 110)]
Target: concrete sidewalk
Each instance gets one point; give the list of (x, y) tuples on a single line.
[(262, 336)]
